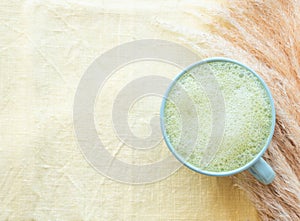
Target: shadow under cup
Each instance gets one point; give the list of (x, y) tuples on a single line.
[(203, 75)]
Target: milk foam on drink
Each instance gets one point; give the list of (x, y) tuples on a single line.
[(247, 117)]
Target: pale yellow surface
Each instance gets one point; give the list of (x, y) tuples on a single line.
[(45, 47)]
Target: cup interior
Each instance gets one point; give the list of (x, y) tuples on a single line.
[(184, 161)]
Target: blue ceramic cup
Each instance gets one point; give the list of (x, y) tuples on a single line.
[(258, 167)]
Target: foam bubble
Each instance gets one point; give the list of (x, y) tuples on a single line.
[(247, 123)]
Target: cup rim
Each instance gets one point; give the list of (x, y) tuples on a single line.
[(189, 165)]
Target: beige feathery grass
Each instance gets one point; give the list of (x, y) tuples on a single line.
[(265, 35)]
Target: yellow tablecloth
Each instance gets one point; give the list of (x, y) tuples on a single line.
[(45, 47)]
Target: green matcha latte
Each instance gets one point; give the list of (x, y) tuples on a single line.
[(247, 117)]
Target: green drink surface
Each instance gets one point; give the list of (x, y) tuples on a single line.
[(247, 117)]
